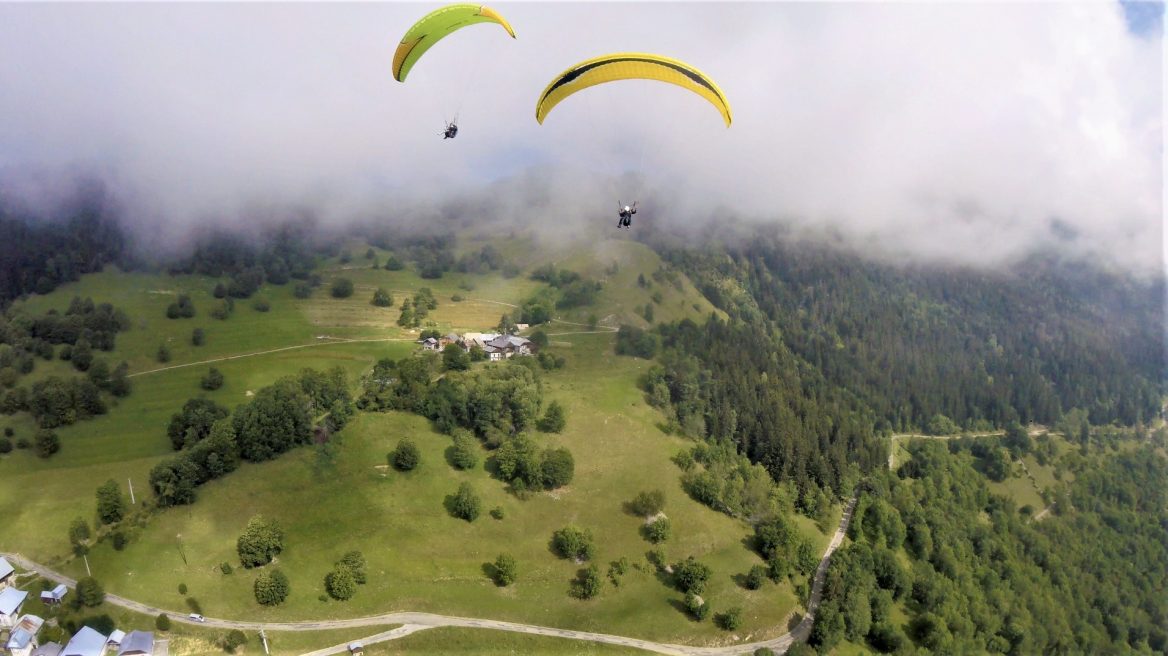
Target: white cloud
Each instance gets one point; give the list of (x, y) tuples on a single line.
[(953, 131)]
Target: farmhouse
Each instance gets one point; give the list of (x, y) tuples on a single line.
[(55, 595), (431, 344), (7, 573), (85, 642), (47, 649), (11, 600), (137, 643), (22, 641)]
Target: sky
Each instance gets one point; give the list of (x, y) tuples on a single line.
[(967, 132)]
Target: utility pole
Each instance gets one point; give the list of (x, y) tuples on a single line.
[(131, 482)]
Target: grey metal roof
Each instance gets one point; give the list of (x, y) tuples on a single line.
[(86, 642), (137, 642), (47, 649), (10, 600), (5, 568)]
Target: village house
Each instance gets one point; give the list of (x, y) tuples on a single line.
[(7, 573), (11, 600), (47, 649), (22, 640), (497, 347), (85, 642), (55, 595), (137, 643), (115, 639)]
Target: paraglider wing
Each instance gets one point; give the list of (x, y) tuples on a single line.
[(434, 27), (630, 66)]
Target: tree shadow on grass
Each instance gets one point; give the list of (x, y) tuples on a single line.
[(491, 572)]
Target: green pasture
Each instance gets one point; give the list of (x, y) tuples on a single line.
[(481, 642)]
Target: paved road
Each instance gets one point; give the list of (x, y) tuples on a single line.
[(412, 622)]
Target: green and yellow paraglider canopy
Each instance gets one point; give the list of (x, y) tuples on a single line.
[(630, 66), (436, 26)]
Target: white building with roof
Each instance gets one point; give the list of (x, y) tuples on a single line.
[(55, 595), (11, 600), (22, 639), (7, 573), (137, 643), (86, 642)]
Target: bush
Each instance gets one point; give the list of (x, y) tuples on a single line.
[(506, 569), (220, 291), (457, 298), (339, 584), (465, 504), (89, 592), (342, 288), (465, 452), (557, 469), (162, 622), (553, 419), (261, 305), (572, 542), (696, 606), (271, 587), (182, 588), (588, 583), (658, 530), (47, 443), (5, 445), (302, 290), (755, 577), (382, 298), (355, 562), (225, 567), (118, 539), (23, 443), (497, 512), (647, 504), (163, 354), (260, 542), (233, 640), (212, 381), (731, 619), (691, 575), (198, 337), (406, 456), (9, 431)]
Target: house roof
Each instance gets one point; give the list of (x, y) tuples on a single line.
[(85, 642), (10, 600), (117, 636), (24, 631), (47, 649), (56, 594), (137, 642), (6, 569)]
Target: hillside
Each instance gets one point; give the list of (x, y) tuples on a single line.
[(419, 557)]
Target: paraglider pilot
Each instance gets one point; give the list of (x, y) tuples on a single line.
[(626, 215), (450, 132)]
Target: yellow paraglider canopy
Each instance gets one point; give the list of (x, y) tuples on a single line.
[(435, 26), (630, 66)]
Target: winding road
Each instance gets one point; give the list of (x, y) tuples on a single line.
[(413, 622)]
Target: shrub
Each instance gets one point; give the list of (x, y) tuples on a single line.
[(302, 290), (457, 298), (553, 419), (658, 530), (588, 583), (163, 354), (342, 288), (182, 588), (9, 431), (260, 542), (198, 337), (497, 512), (118, 539), (212, 381), (271, 587), (755, 577), (572, 542), (647, 504), (465, 503), (355, 562), (339, 583), (5, 445), (382, 298), (691, 575), (47, 443), (233, 640), (162, 622), (261, 305), (465, 452), (506, 569), (696, 606), (89, 592), (731, 619), (406, 456), (557, 469), (23, 443), (225, 567)]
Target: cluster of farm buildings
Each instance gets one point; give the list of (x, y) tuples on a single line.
[(496, 346), (18, 632)]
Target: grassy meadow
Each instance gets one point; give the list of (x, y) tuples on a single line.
[(419, 557)]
